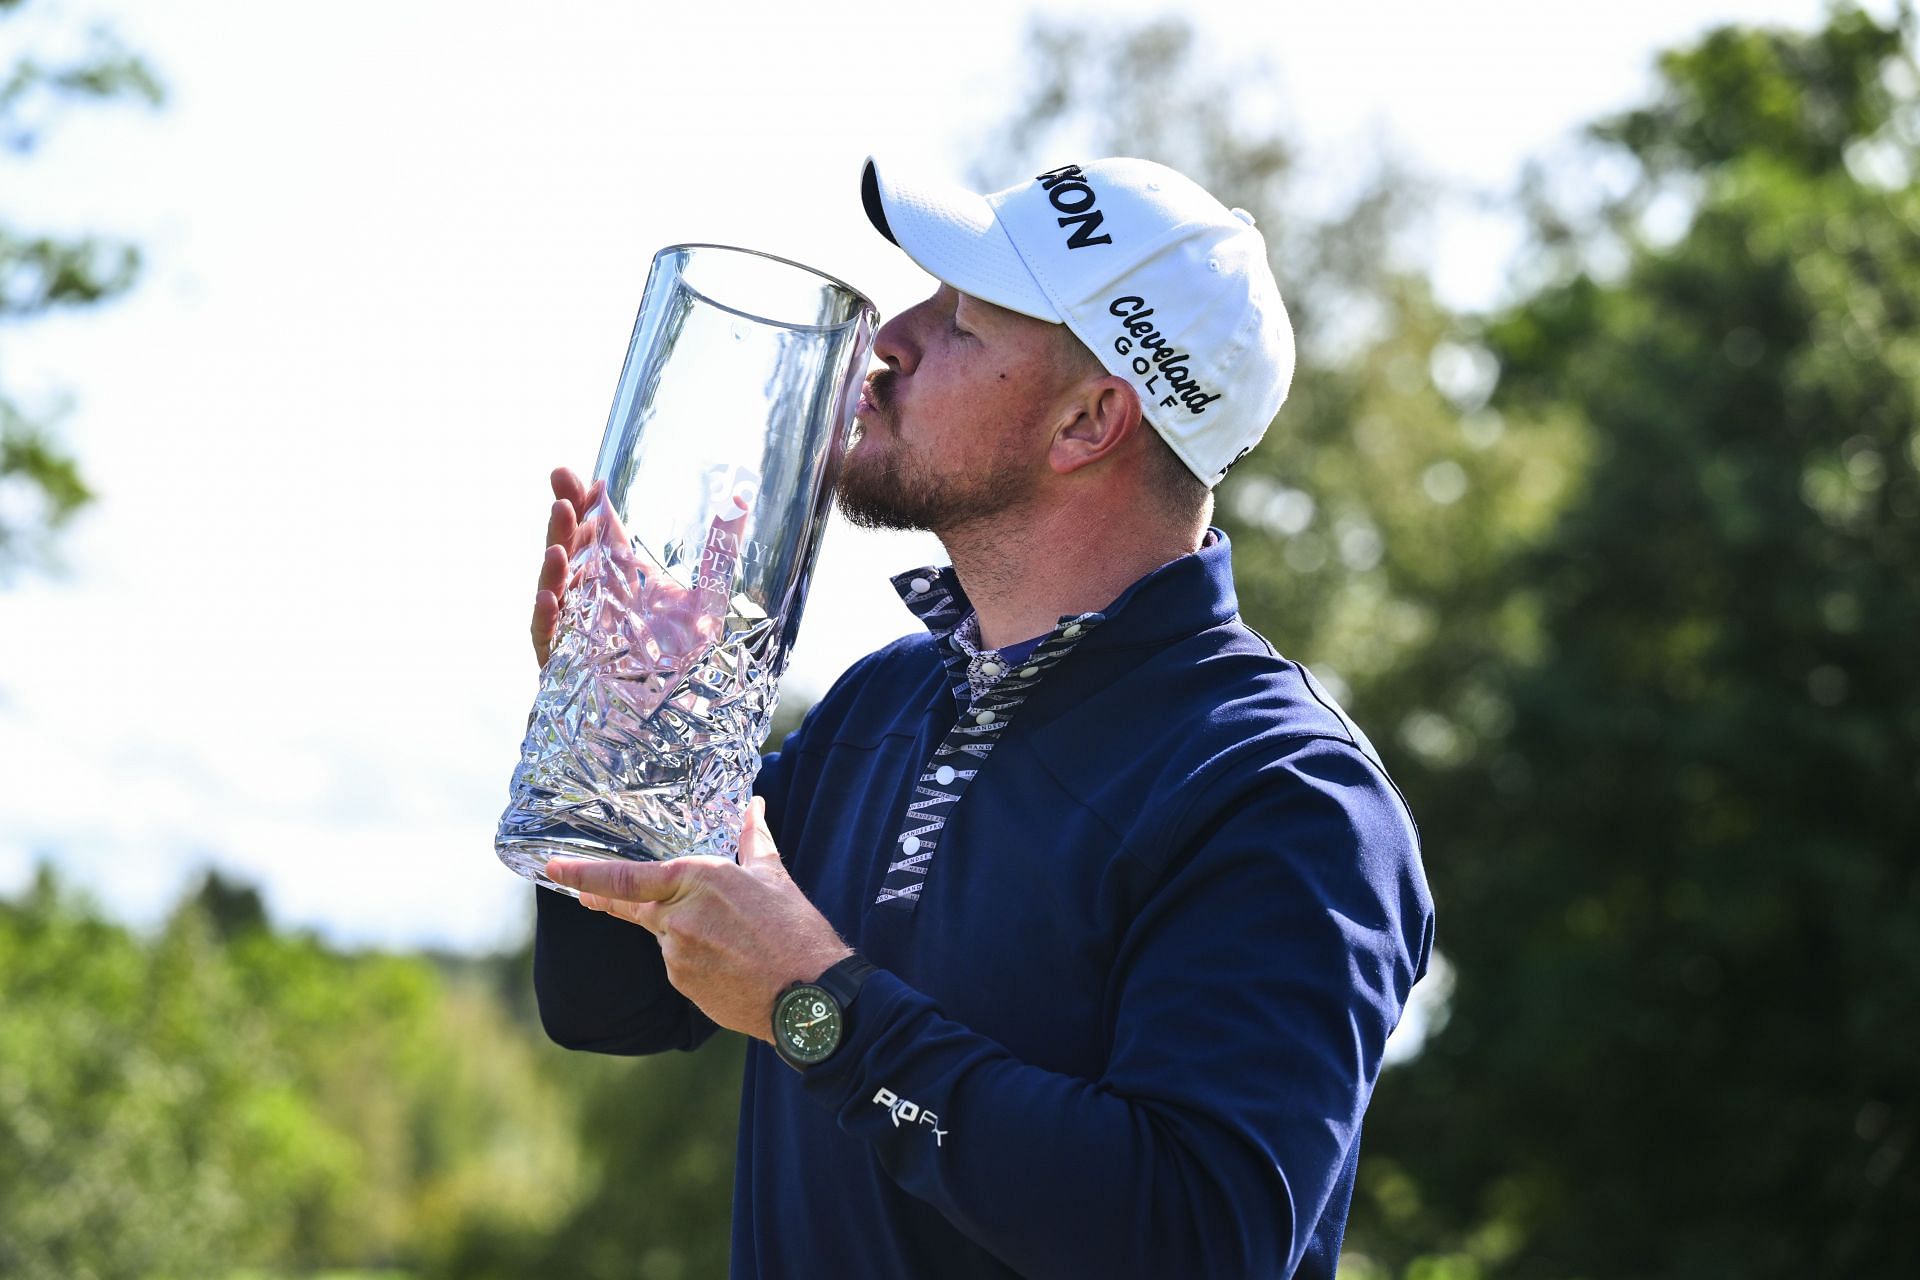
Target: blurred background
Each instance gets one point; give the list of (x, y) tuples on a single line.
[(1597, 499)]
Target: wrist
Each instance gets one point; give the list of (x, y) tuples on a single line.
[(808, 967), (817, 968), (810, 1017)]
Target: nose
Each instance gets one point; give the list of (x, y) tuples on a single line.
[(898, 342)]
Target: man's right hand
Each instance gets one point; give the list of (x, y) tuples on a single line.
[(680, 622), (565, 535)]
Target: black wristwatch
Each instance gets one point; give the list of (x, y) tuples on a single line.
[(810, 1018)]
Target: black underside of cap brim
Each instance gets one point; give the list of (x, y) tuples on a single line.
[(870, 197)]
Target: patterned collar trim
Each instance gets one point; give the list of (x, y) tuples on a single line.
[(1203, 580), (989, 692), (989, 701), (935, 597)]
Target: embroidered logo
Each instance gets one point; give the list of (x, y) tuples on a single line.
[(909, 1113), (1068, 192), (1158, 358)]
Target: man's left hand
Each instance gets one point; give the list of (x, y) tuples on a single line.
[(732, 934)]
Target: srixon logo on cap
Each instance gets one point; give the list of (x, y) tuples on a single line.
[(1068, 192)]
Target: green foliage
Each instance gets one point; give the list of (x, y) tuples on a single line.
[(53, 489), (42, 272), (139, 1125), (1157, 91), (655, 1196), (1679, 890), (40, 86), (1371, 526), (1627, 580), (1742, 92), (181, 1105), (223, 1098), (41, 483), (1370, 530)]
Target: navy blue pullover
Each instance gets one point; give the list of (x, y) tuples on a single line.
[(1132, 1001)]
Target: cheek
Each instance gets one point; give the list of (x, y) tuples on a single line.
[(1016, 394)]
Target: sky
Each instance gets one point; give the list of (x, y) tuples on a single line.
[(393, 252)]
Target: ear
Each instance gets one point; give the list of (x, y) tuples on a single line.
[(1099, 420)]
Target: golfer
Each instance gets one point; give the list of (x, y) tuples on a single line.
[(1068, 933)]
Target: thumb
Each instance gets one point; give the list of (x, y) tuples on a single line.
[(757, 851)]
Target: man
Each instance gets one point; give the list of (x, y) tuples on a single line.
[(1069, 934)]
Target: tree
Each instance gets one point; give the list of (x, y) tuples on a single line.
[(220, 1095), (1680, 890), (1624, 579), (1377, 529), (40, 485), (1370, 524)]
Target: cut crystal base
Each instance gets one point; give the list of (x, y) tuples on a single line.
[(644, 737)]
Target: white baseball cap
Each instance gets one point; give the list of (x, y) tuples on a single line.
[(1168, 287)]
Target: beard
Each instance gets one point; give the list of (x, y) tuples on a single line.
[(885, 485)]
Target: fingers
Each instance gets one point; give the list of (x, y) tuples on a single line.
[(553, 570), (546, 624), (546, 602), (568, 488), (563, 528), (625, 881), (563, 522), (567, 520), (645, 914), (757, 851)]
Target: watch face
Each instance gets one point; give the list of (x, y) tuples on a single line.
[(807, 1024)]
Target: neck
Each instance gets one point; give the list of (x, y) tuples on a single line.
[(1024, 569)]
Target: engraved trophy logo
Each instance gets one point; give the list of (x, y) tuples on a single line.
[(684, 592)]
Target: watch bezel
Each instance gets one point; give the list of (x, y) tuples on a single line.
[(788, 998)]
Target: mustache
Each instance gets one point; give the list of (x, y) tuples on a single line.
[(880, 388)]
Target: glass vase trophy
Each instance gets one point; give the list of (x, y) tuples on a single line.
[(685, 586)]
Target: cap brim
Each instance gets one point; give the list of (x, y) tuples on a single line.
[(953, 235)]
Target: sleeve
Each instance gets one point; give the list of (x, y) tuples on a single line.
[(1251, 1000), (601, 983)]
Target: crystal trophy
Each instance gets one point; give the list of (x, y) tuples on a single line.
[(684, 590)]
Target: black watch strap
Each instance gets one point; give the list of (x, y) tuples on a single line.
[(845, 978)]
